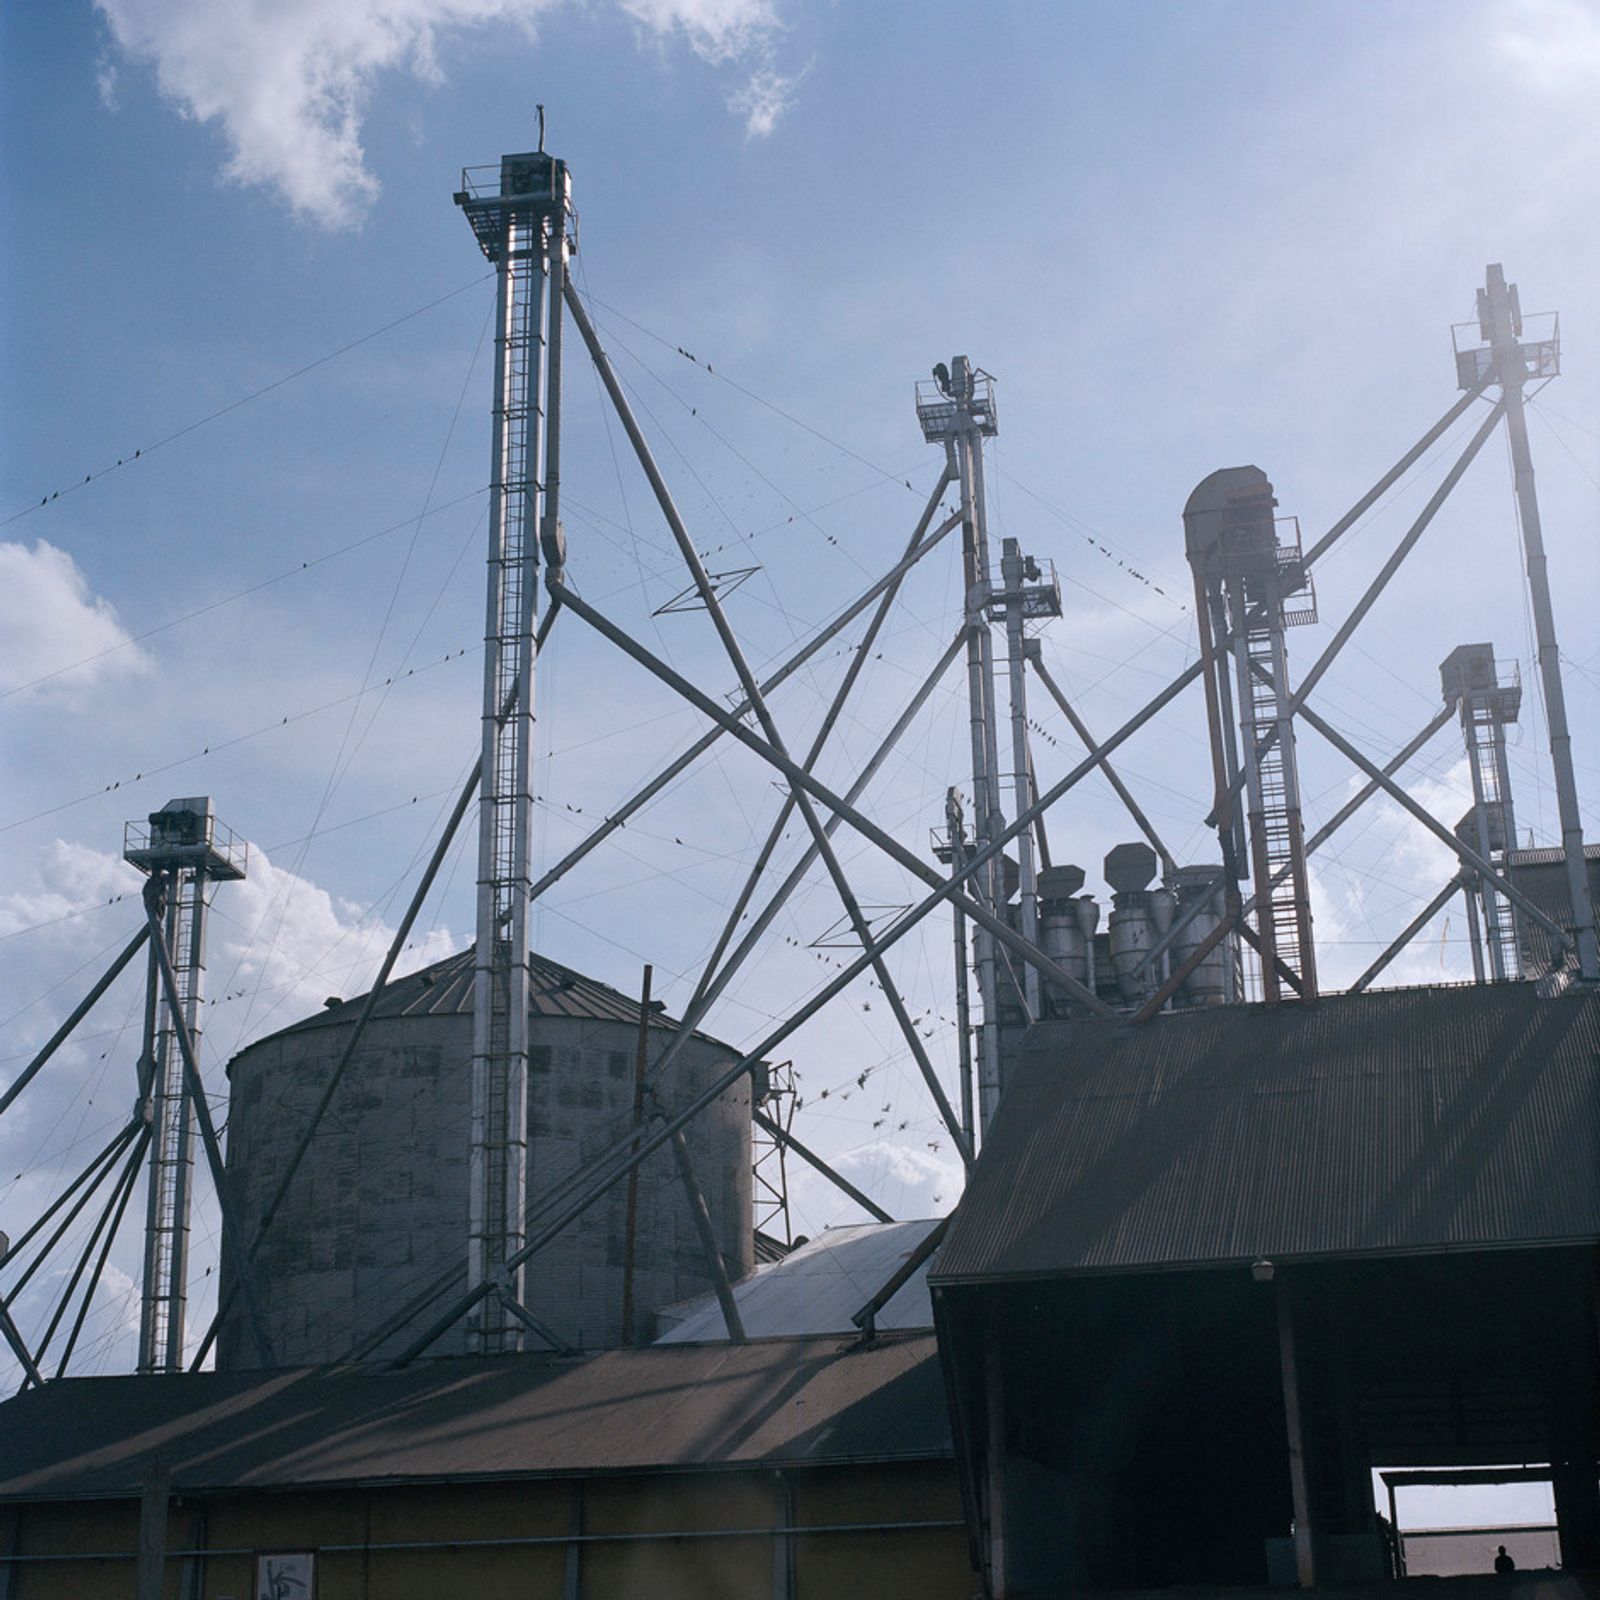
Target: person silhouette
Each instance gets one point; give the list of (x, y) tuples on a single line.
[(1503, 1563)]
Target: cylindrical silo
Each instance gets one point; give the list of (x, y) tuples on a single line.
[(377, 1213)]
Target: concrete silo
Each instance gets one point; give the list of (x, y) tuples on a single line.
[(378, 1211)]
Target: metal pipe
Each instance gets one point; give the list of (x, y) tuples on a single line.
[(1403, 465), (604, 1178), (692, 1019), (985, 800), (785, 1137), (1006, 934), (1412, 929), (1468, 856), (957, 830), (396, 945), (1318, 839), (103, 1161), (79, 1012), (1011, 578), (1399, 553), (129, 1183), (208, 1137), (1510, 371), (866, 1318), (752, 690), (1392, 766), (1140, 820), (681, 764), (121, 1190), (630, 1226), (19, 1349), (515, 1309), (712, 1251), (852, 671), (797, 872), (1474, 933)]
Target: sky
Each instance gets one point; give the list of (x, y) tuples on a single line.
[(246, 379)]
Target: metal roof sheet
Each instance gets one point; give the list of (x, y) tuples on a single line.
[(818, 1287), (1380, 1123), (769, 1402), (1542, 876), (445, 990)]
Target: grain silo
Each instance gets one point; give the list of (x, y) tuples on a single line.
[(378, 1212)]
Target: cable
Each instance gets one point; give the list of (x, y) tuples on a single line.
[(240, 594), (234, 405)]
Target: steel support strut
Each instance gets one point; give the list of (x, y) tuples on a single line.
[(1467, 856), (751, 688), (980, 858), (837, 1179), (1412, 929), (79, 1012), (858, 661), (1510, 371), (617, 1163), (680, 764), (1135, 811)]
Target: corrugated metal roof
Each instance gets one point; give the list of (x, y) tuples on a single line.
[(770, 1402), (1542, 876), (818, 1287), (1379, 1123), (445, 990)]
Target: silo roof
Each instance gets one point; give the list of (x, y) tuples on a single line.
[(445, 989)]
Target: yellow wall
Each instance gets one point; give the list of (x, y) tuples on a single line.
[(918, 1564)]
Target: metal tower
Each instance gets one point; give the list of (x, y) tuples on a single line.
[(183, 850), (521, 214), (1486, 701), (956, 409), (1026, 595), (1250, 586), (1513, 361)]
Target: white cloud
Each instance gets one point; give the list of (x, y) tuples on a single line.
[(1552, 44), (283, 945), (68, 878), (717, 30), (290, 82), (52, 628), (763, 100)]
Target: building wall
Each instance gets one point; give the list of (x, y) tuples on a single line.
[(378, 1209), (661, 1536)]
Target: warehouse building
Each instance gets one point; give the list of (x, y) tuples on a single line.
[(1214, 1270)]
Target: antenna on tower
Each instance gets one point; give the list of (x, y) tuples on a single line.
[(540, 109)]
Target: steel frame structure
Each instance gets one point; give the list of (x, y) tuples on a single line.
[(974, 866), (524, 226), (182, 850)]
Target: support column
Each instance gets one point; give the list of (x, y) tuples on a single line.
[(520, 220), (1500, 320), (994, 1457), (152, 1533), (1304, 1555)]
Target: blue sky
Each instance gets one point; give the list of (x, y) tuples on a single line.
[(1182, 236)]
